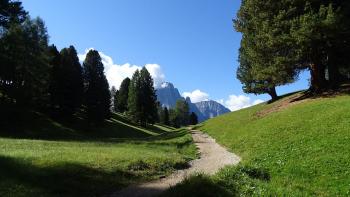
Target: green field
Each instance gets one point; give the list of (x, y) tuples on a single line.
[(42, 157), (300, 149)]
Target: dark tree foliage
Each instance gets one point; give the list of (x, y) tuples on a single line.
[(265, 59), (11, 12), (134, 98), (142, 99), (97, 94), (148, 98), (281, 38), (55, 64), (174, 119), (122, 99), (193, 119), (24, 63), (182, 112), (67, 86), (164, 116)]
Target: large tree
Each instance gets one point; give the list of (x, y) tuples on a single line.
[(280, 38), (122, 99), (67, 86), (11, 12), (265, 59), (97, 94), (24, 63), (134, 98), (148, 97), (142, 100)]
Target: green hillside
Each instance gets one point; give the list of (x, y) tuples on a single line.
[(293, 147), (42, 157)]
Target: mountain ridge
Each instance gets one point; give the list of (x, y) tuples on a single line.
[(167, 95)]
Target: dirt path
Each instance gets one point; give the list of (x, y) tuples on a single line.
[(212, 158)]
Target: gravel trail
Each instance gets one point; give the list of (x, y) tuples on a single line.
[(212, 158)]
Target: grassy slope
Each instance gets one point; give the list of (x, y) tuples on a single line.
[(47, 158), (303, 150)]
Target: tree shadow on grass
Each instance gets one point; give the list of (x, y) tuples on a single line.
[(34, 125), (19, 177), (230, 181)]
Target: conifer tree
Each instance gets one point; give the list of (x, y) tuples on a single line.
[(54, 85), (148, 98), (142, 100), (67, 85), (164, 116), (182, 112), (122, 99), (97, 94), (134, 98)]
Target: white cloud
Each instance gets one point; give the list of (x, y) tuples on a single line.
[(235, 102), (196, 96), (156, 73), (117, 73)]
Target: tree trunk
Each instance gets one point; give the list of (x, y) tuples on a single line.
[(318, 79), (272, 92)]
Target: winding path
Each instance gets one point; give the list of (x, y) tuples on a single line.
[(212, 158)]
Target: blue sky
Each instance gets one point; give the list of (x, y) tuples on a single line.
[(191, 42)]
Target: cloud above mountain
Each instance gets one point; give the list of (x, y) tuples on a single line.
[(116, 73), (196, 96), (237, 102)]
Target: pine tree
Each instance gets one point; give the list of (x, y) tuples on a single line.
[(193, 119), (148, 98), (97, 94), (265, 62), (122, 99), (182, 112), (142, 100), (134, 98), (55, 63), (11, 12), (25, 62), (68, 80), (164, 116), (281, 38)]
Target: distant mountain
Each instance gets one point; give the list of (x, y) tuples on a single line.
[(167, 95), (210, 109)]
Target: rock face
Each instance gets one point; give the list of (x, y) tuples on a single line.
[(210, 109), (167, 95)]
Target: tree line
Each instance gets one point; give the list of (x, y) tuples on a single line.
[(282, 38), (35, 75), (137, 99)]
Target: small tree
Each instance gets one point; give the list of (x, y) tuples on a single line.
[(97, 94)]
